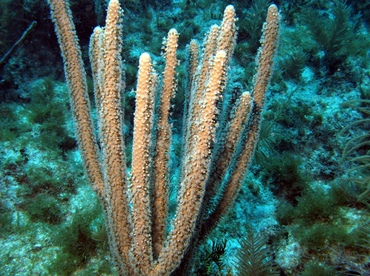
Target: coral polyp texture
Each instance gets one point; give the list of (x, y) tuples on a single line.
[(135, 203)]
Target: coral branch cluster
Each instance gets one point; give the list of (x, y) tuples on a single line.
[(216, 151)]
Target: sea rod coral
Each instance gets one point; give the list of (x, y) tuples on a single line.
[(216, 152)]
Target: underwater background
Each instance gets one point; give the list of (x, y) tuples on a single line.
[(304, 208)]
